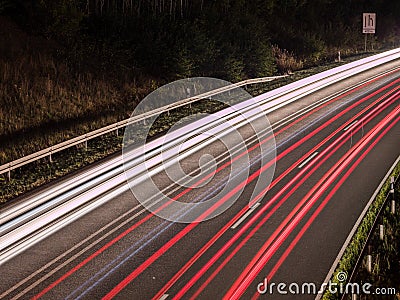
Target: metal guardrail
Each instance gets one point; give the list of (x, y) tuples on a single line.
[(8, 167), (346, 70), (394, 182)]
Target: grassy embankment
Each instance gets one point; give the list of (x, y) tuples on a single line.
[(385, 253)]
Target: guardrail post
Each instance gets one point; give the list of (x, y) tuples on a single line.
[(50, 158), (9, 175), (369, 263), (392, 185), (116, 131), (381, 232), (354, 297), (86, 145), (393, 206)]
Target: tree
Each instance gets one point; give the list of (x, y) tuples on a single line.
[(234, 69), (4, 5)]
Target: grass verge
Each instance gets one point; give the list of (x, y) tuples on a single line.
[(385, 268)]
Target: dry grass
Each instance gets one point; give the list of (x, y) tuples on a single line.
[(43, 101), (286, 62)]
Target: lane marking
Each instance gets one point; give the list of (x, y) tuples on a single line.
[(307, 160), (351, 125), (72, 258), (238, 222), (165, 296)]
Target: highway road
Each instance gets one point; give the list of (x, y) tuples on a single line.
[(333, 148)]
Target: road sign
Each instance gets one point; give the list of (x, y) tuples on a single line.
[(369, 22)]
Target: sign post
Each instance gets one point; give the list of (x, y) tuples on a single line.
[(369, 25)]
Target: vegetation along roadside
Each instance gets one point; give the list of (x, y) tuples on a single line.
[(385, 263)]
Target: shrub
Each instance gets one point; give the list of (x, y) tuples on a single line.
[(286, 62)]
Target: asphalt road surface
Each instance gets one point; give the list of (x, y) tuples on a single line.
[(332, 151)]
